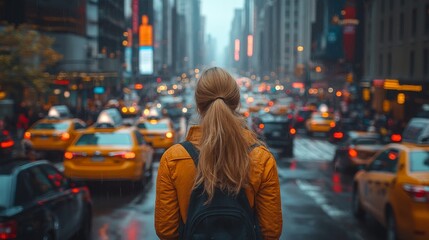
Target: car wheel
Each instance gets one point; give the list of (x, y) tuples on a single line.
[(84, 231), (358, 210), (149, 173), (48, 236), (391, 225)]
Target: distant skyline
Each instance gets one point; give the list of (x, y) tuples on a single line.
[(219, 15)]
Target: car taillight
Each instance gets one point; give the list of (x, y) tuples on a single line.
[(124, 155), (338, 135), (27, 135), (417, 193), (65, 136), (332, 124), (71, 155), (300, 119), (5, 132), (396, 137), (352, 153), (7, 144), (261, 126), (8, 230), (292, 131), (169, 135)]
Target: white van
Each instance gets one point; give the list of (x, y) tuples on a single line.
[(416, 131)]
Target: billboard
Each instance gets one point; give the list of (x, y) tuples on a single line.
[(146, 60), (128, 57)]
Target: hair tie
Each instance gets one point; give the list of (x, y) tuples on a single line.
[(223, 99)]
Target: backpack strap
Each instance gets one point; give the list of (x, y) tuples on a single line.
[(190, 148)]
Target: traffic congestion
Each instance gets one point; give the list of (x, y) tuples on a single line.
[(202, 119)]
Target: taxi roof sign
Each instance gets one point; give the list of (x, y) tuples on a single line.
[(109, 118), (60, 111)]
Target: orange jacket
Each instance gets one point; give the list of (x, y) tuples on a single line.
[(176, 175)]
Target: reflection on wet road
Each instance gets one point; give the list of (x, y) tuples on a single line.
[(316, 201)]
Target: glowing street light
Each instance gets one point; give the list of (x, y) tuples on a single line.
[(300, 48)]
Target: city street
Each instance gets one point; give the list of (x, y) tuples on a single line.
[(316, 201)]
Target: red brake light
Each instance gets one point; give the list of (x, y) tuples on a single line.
[(7, 144), (124, 155), (70, 155), (352, 153), (417, 193), (396, 137), (261, 126), (300, 119), (332, 124), (338, 135), (27, 135), (8, 230), (75, 190), (5, 132), (65, 136)]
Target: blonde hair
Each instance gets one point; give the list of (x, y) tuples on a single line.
[(224, 158)]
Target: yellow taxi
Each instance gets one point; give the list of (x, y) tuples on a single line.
[(55, 132), (107, 152), (157, 131), (394, 188), (320, 122)]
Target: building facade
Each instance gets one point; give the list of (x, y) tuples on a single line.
[(396, 57)]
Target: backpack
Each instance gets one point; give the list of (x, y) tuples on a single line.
[(225, 217)]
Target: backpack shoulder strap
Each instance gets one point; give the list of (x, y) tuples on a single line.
[(190, 148)]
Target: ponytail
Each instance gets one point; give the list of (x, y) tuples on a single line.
[(224, 160)]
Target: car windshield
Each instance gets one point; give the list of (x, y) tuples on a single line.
[(153, 126), (105, 139), (366, 141), (5, 191), (419, 161), (321, 118), (52, 126), (269, 127)]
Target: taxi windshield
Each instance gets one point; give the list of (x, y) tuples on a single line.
[(153, 126), (105, 139), (322, 118), (51, 126), (419, 161)]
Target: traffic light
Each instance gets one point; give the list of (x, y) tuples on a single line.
[(349, 77)]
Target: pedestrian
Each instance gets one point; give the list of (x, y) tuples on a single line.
[(225, 163), (21, 125)]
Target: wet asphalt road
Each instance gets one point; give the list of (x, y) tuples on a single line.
[(316, 201)]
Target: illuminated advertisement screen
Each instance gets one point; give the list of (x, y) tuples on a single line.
[(128, 56), (146, 60)]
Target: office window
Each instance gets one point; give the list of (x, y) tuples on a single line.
[(390, 29), (381, 32), (411, 73), (427, 19), (401, 26), (425, 62), (414, 22), (380, 64), (389, 64)]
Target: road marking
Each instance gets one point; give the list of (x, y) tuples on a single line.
[(312, 150), (315, 193)]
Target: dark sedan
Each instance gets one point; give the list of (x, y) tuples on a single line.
[(357, 148), (6, 145), (39, 202), (277, 131)]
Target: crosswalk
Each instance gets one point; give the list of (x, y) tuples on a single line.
[(306, 149)]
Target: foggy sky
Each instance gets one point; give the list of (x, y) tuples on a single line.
[(219, 15)]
